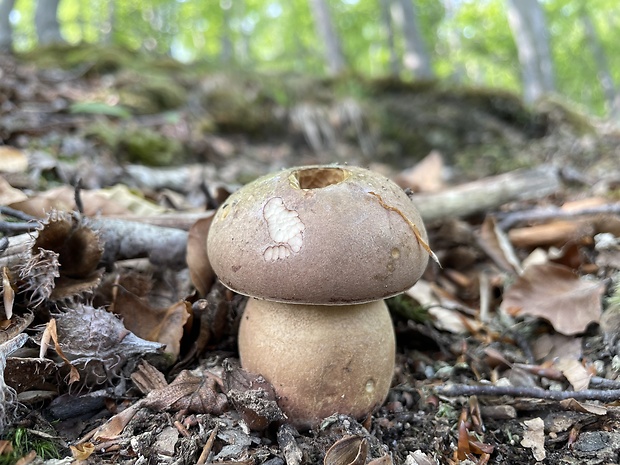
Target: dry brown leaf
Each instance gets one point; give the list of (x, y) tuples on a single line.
[(129, 295), (8, 294), (63, 199), (12, 160), (252, 396), (555, 293), (350, 450), (425, 176), (115, 425), (534, 438), (8, 194), (497, 246), (170, 329), (574, 372), (82, 451), (5, 447), (197, 394), (200, 270), (51, 332), (583, 407)]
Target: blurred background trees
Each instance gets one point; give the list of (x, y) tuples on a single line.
[(534, 47)]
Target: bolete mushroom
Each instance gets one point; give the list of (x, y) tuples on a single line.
[(317, 249)]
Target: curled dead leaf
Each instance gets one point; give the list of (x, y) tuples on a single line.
[(82, 451), (350, 450), (8, 293), (200, 271)]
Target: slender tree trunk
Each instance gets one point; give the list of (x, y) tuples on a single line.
[(454, 41), (416, 59), (109, 24), (6, 30), (531, 35), (226, 43), (388, 25), (604, 75), (326, 31), (46, 22)]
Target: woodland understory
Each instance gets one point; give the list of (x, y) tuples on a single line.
[(118, 344)]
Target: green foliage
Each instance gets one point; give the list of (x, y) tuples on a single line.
[(100, 108), (471, 44), (406, 307), (138, 145), (24, 441)]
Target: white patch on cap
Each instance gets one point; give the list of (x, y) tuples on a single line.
[(285, 228)]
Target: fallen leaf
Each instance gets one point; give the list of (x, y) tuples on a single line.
[(8, 293), (496, 244), (8, 194), (170, 329), (200, 271), (574, 372), (555, 293), (350, 450), (534, 438), (12, 160), (425, 176), (583, 407), (82, 451), (191, 392)]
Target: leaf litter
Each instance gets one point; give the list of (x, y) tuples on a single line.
[(116, 336)]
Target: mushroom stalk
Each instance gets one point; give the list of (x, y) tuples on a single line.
[(320, 360)]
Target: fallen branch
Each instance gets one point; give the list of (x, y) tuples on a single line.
[(508, 220), (454, 390), (122, 240), (488, 194)]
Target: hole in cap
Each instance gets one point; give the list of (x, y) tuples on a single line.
[(316, 178)]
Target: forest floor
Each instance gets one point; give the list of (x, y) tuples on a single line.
[(118, 345)]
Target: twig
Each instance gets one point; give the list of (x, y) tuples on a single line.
[(78, 196), (14, 227), (206, 450), (454, 390), (508, 220), (17, 214)]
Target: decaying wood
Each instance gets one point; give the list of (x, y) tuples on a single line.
[(455, 390), (177, 220), (488, 194), (122, 240)]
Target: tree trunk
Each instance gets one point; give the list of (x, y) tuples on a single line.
[(604, 75), (416, 59), (451, 8), (109, 23), (226, 42), (46, 22), (388, 25), (326, 32), (531, 35), (6, 30)]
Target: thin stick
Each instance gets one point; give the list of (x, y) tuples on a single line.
[(454, 390), (508, 220), (206, 450)]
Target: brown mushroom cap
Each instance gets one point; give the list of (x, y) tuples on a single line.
[(321, 235), (320, 360)]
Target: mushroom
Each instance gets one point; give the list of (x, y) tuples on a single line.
[(317, 249)]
